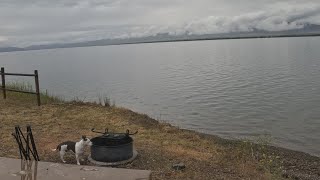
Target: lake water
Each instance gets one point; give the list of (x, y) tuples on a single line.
[(231, 88)]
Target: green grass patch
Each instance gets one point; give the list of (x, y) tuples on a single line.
[(45, 97)]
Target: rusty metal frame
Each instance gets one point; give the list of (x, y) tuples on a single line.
[(30, 147)]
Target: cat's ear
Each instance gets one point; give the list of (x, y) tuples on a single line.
[(84, 137)]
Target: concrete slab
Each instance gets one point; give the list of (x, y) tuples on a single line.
[(16, 169)]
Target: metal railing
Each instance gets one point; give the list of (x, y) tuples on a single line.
[(4, 89)]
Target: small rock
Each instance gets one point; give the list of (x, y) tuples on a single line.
[(179, 166), (88, 169)]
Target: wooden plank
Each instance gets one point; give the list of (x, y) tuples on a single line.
[(15, 90), (37, 86), (16, 74), (3, 83)]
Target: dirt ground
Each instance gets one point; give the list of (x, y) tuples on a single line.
[(159, 145)]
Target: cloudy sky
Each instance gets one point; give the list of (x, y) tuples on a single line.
[(26, 22)]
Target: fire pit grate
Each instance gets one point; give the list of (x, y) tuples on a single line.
[(112, 148)]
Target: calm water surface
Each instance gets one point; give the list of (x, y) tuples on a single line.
[(231, 88)]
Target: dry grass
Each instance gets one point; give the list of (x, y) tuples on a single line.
[(159, 145)]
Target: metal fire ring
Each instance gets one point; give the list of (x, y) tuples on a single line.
[(99, 163)]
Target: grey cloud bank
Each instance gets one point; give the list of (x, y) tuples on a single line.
[(63, 21)]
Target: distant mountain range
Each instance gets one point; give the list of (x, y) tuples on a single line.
[(9, 49), (308, 30)]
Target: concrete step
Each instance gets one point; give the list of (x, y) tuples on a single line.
[(16, 169)]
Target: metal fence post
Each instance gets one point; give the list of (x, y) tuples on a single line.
[(37, 86), (3, 83)]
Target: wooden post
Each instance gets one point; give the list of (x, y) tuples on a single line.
[(37, 86), (3, 83)]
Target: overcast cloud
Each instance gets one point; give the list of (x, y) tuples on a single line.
[(26, 22)]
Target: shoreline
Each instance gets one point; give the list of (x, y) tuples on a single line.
[(297, 164), (159, 144), (231, 139), (271, 144), (88, 44)]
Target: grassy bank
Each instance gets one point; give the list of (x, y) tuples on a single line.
[(159, 145), (46, 97)]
